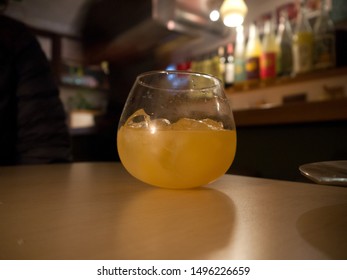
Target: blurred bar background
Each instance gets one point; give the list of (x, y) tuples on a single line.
[(97, 48)]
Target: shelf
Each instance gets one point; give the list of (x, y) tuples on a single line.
[(71, 86), (319, 74), (83, 131), (303, 112)]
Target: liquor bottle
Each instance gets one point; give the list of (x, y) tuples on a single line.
[(205, 64), (221, 54), (324, 40), (215, 65), (284, 41), (239, 57), (253, 52), (302, 43), (197, 64), (229, 65), (268, 58)]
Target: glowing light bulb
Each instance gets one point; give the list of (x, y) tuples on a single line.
[(233, 12), (214, 15)]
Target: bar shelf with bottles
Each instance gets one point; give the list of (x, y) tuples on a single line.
[(301, 50), (290, 49)]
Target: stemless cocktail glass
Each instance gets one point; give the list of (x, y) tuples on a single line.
[(177, 130)]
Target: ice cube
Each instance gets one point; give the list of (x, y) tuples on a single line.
[(211, 124), (139, 119), (191, 124), (160, 123)]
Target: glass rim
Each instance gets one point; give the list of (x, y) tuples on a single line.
[(217, 82)]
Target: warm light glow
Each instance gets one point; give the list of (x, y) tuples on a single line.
[(153, 129), (233, 20), (233, 12), (214, 15), (171, 25)]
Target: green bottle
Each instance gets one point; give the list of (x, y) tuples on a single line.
[(324, 40)]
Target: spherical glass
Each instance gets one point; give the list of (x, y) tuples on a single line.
[(177, 130)]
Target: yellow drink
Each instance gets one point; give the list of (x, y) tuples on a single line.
[(172, 157)]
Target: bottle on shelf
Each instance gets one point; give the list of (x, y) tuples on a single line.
[(324, 40), (184, 65), (302, 43), (215, 65), (222, 59), (252, 56), (229, 66), (239, 57), (284, 41), (196, 64), (205, 64), (269, 53)]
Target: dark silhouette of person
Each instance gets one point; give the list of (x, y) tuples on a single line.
[(33, 128)]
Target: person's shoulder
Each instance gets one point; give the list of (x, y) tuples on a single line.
[(13, 32), (8, 22)]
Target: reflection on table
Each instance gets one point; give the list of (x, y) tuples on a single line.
[(98, 211)]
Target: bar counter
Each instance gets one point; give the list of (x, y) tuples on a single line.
[(98, 211), (297, 113), (314, 97)]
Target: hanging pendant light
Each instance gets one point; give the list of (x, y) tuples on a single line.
[(233, 12)]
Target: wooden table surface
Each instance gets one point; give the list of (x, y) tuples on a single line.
[(98, 211)]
